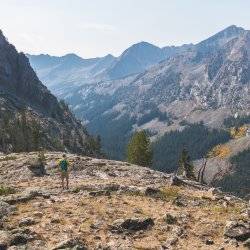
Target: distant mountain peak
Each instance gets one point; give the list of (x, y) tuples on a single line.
[(226, 34), (72, 55), (141, 45), (233, 27), (2, 38), (109, 56), (231, 30)]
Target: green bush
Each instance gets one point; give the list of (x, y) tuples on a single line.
[(6, 190)]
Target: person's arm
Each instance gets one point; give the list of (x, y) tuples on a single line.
[(58, 164)]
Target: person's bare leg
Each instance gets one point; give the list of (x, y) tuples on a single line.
[(67, 180), (62, 181)]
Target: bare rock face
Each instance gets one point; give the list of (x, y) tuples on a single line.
[(20, 89), (237, 230), (73, 243), (5, 209)]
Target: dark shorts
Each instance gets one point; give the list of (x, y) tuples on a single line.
[(64, 174)]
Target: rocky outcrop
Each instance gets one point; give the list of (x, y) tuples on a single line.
[(237, 230), (132, 225), (113, 205)]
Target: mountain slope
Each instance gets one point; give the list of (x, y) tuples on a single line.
[(189, 87), (229, 171), (113, 205), (69, 70), (26, 104), (205, 82)]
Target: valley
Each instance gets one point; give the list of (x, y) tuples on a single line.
[(184, 96)]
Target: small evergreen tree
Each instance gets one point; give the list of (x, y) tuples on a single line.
[(185, 166), (139, 150), (36, 134)]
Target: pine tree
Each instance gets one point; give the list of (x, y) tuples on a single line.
[(139, 150), (36, 131), (185, 166)]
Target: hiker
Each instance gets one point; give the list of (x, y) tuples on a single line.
[(64, 164)]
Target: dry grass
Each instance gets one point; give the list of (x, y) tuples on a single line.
[(170, 192), (8, 158), (76, 213)]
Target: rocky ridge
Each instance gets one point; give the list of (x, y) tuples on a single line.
[(113, 205), (22, 92)]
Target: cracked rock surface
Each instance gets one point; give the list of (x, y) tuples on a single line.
[(113, 205)]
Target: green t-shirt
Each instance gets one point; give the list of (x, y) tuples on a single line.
[(64, 165)]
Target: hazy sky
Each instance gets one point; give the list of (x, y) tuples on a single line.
[(93, 28)]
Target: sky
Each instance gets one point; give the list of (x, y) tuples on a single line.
[(92, 28)]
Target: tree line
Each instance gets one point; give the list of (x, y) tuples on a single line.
[(19, 134)]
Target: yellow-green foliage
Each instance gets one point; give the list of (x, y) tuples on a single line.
[(238, 132), (41, 157), (8, 158), (6, 190), (221, 151), (170, 193), (230, 209)]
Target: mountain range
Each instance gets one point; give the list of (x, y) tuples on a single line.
[(157, 89), (60, 72)]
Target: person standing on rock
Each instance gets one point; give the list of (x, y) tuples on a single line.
[(64, 168)]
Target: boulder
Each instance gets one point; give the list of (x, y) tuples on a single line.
[(100, 193), (170, 219), (237, 230), (19, 239), (37, 169), (4, 240), (5, 209), (175, 181), (153, 192), (27, 221), (132, 224), (180, 202), (25, 196), (247, 243), (170, 242), (209, 242), (73, 243)]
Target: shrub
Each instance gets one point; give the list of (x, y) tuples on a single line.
[(238, 132), (221, 151), (6, 190), (185, 166), (8, 158)]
